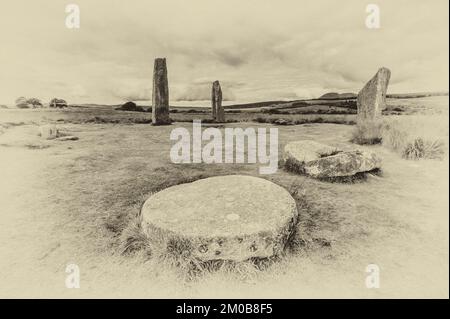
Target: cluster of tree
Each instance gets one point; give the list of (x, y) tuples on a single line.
[(24, 103), (57, 103), (131, 106)]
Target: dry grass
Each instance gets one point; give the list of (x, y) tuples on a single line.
[(412, 137), (416, 137)]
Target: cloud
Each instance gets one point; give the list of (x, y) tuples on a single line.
[(202, 92), (257, 50), (229, 58), (131, 90)]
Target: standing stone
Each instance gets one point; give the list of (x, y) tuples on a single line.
[(160, 103), (218, 112), (372, 98)]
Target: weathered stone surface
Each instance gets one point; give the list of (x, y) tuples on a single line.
[(343, 164), (372, 98), (221, 218), (323, 161), (306, 151), (160, 99), (218, 112), (48, 131)]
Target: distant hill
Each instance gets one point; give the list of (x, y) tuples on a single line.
[(343, 96), (337, 96), (255, 104), (415, 95)]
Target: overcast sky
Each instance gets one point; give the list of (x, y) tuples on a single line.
[(259, 50)]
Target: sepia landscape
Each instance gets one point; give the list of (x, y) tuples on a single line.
[(361, 181)]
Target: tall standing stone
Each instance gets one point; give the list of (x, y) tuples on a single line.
[(160, 99), (372, 98), (218, 112)]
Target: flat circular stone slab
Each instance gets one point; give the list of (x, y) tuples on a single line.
[(323, 161), (231, 217)]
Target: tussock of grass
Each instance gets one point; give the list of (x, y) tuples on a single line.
[(417, 149), (133, 238)]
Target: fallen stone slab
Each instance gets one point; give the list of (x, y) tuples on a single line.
[(326, 162), (68, 138), (231, 217)]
